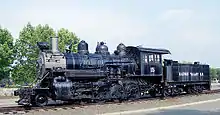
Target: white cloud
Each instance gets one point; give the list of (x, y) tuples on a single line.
[(176, 14)]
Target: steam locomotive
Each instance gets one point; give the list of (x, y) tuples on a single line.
[(129, 73)]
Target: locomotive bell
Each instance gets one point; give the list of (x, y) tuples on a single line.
[(54, 44)]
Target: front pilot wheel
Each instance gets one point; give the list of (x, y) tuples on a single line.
[(41, 100)]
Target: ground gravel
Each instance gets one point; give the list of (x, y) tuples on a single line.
[(109, 108)]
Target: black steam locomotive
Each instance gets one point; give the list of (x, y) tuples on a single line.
[(129, 73)]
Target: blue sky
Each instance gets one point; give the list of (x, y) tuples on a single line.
[(188, 28)]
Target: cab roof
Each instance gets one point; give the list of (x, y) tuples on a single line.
[(150, 50)]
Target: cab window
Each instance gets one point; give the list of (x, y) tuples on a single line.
[(145, 58), (151, 58), (157, 58)]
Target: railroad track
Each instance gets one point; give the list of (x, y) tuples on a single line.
[(66, 106)]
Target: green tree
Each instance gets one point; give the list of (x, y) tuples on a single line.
[(65, 37), (218, 72), (6, 55), (213, 73), (26, 51), (186, 62)]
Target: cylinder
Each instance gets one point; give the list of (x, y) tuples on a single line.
[(54, 44)]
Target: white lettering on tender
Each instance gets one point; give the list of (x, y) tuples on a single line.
[(190, 74)]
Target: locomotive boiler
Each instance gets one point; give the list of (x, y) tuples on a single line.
[(128, 73)]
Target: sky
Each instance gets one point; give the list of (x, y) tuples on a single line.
[(188, 28)]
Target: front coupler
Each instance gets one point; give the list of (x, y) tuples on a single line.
[(25, 95)]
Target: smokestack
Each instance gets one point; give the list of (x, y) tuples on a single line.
[(54, 44)]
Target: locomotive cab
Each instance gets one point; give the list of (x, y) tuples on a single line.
[(149, 61)]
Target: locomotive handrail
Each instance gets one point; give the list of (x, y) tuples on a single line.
[(38, 81)]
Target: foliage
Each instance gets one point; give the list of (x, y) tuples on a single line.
[(26, 51), (65, 37), (215, 73), (186, 62), (6, 55)]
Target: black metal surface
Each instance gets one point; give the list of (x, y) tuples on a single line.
[(43, 46), (63, 88), (179, 72), (131, 72), (83, 48), (102, 49)]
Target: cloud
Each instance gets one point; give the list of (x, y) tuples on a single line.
[(176, 14)]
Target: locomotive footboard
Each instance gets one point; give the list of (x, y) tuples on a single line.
[(32, 96)]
